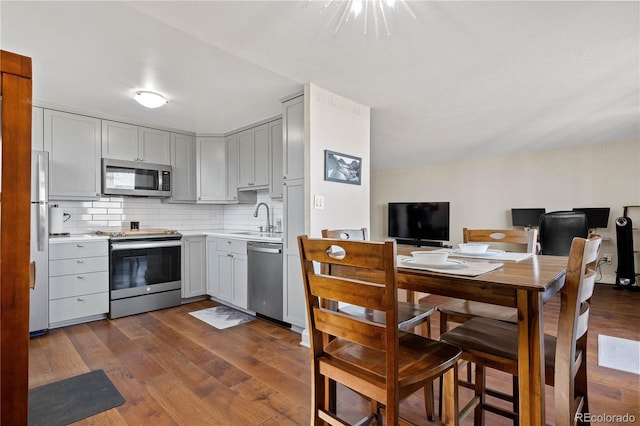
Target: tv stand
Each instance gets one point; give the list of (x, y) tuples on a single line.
[(420, 243)]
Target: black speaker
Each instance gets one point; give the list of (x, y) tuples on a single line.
[(625, 274)]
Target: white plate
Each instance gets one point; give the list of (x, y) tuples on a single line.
[(449, 264), (488, 253)]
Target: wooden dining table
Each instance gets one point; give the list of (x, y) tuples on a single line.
[(524, 285)]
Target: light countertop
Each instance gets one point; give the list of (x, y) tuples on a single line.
[(77, 237), (223, 233), (236, 234)]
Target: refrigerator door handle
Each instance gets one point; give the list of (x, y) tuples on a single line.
[(43, 176), (32, 275), (42, 225), (43, 172)]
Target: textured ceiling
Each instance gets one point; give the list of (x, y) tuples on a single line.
[(461, 80)]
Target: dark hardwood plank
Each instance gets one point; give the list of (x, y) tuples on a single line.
[(174, 369)]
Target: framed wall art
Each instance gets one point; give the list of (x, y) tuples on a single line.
[(342, 167)]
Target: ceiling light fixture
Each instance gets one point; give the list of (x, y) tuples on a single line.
[(351, 9), (150, 99)]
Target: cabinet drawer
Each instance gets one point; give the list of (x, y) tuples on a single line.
[(231, 246), (78, 307), (78, 284), (71, 250), (78, 266)]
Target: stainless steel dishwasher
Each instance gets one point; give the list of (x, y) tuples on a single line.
[(265, 278)]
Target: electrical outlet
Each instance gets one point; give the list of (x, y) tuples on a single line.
[(607, 258)]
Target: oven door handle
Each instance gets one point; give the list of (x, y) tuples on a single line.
[(145, 245)]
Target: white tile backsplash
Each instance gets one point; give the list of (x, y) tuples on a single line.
[(118, 212)]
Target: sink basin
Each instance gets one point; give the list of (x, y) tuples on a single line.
[(245, 233)]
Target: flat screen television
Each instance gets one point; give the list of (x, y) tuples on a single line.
[(419, 223), (597, 217), (526, 217)]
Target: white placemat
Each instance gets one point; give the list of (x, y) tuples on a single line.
[(504, 256), (472, 269)]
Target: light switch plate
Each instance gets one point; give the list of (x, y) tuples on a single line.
[(318, 202)]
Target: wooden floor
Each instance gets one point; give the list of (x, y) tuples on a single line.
[(172, 368)]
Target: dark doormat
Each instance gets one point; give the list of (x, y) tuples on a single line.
[(72, 399)]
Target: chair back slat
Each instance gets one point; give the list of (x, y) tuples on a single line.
[(588, 284), (368, 295), (363, 332), (582, 323), (347, 253), (346, 234), (527, 238)]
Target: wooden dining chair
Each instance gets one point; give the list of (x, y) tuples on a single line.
[(410, 315), (494, 344), (459, 311), (374, 359)]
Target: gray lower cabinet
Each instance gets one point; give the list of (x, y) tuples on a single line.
[(227, 271), (294, 304), (74, 145), (78, 282), (194, 281)]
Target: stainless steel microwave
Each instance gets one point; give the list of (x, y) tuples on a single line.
[(135, 179)]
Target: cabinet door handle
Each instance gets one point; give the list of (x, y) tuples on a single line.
[(80, 299), (80, 261), (79, 245), (229, 255), (80, 277)]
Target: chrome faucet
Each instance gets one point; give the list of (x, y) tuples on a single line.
[(255, 214)]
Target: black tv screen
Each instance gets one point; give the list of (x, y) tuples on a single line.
[(597, 217), (419, 221), (526, 217)]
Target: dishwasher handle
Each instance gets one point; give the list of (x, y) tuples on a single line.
[(264, 250)]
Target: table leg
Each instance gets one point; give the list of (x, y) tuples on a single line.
[(531, 358)]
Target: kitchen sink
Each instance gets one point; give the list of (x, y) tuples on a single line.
[(245, 233)]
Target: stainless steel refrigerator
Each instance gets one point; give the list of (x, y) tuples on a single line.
[(39, 301)]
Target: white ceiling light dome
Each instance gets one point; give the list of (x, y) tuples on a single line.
[(150, 99)]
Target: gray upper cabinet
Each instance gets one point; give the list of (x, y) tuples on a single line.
[(211, 172), (73, 143), (183, 166), (293, 138), (154, 145), (276, 157), (119, 141), (253, 158), (123, 141), (231, 143), (37, 131)]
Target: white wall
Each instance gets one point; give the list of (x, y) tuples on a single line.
[(482, 191), (336, 124)]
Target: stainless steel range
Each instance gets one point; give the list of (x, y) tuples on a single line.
[(144, 270)]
